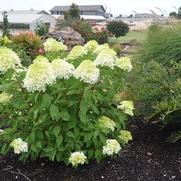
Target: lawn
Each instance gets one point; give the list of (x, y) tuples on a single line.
[(139, 36)]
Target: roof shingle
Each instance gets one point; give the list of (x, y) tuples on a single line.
[(81, 7)]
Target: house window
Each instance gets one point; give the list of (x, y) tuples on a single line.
[(20, 26)]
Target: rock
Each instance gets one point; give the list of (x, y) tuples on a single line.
[(69, 36)]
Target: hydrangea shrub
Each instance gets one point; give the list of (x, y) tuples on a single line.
[(64, 109)]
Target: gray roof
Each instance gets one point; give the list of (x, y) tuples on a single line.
[(32, 11), (23, 16), (81, 7)]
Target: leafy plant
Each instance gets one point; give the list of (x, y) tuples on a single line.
[(163, 45), (64, 110), (29, 42), (73, 12), (41, 29), (5, 24), (101, 36), (155, 82), (118, 28), (84, 28)]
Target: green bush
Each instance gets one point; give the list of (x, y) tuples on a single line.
[(29, 42), (41, 29), (25, 59), (155, 82), (163, 44), (117, 28), (84, 28), (101, 36), (64, 110), (116, 47)]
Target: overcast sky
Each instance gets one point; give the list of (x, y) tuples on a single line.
[(115, 6)]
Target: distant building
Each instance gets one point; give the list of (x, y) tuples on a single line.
[(92, 13), (27, 20), (141, 21)]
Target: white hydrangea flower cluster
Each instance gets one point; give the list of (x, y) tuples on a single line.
[(112, 147), (101, 47), (91, 46), (40, 58), (51, 45), (19, 146), (38, 76), (124, 63), (87, 72), (8, 59), (77, 158), (76, 52), (127, 107), (106, 122), (1, 131), (125, 136), (107, 58), (4, 98), (62, 69)]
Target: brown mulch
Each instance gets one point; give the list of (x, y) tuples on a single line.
[(147, 158)]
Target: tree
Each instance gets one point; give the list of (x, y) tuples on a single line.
[(5, 24), (41, 29), (118, 28), (173, 14), (179, 13), (73, 13)]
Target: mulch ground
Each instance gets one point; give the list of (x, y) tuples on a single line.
[(147, 158)]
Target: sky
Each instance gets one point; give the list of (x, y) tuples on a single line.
[(114, 6)]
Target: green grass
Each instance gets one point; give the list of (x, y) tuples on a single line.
[(139, 36)]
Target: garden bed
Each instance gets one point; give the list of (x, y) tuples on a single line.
[(147, 157)]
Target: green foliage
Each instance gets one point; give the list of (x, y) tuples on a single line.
[(100, 36), (116, 47), (84, 28), (73, 12), (25, 59), (5, 41), (29, 42), (41, 29), (63, 118), (118, 28), (175, 136), (163, 44), (179, 13), (5, 24), (155, 82), (173, 14)]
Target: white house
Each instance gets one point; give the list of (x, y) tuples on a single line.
[(27, 20)]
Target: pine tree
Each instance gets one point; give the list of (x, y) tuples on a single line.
[(74, 12), (179, 13), (5, 24)]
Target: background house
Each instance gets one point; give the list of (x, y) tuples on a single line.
[(141, 21), (92, 13), (27, 20)]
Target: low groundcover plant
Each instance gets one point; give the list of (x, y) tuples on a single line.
[(64, 109)]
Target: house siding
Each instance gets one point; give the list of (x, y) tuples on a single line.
[(97, 10)]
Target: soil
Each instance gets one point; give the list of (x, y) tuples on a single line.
[(147, 158)]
